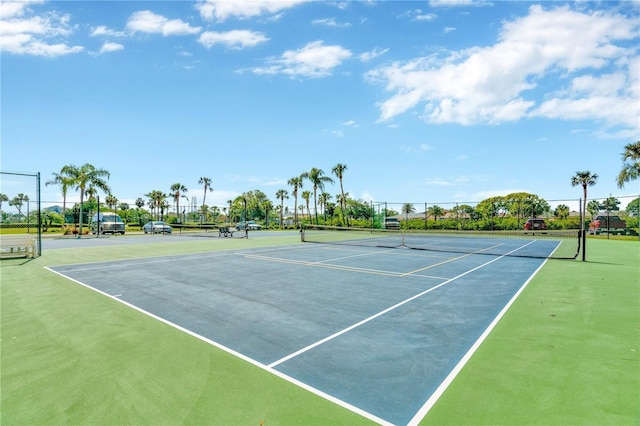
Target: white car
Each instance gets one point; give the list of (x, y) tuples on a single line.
[(156, 227), (250, 225)]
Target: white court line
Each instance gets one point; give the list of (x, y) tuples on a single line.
[(379, 314), (417, 418), (252, 361)]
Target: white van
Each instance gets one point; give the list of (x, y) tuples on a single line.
[(107, 223)]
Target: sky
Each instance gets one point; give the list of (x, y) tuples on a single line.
[(424, 101)]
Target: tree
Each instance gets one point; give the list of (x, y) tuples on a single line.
[(3, 198), (318, 179), (296, 183), (139, 203), (562, 211), (177, 191), (436, 212), (407, 208), (156, 202), (630, 164), (86, 178), (206, 182), (18, 201), (267, 205), (338, 170), (65, 182), (611, 204), (281, 195), (584, 178), (111, 201), (306, 195), (633, 208), (323, 199), (593, 207)]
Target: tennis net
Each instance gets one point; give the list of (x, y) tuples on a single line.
[(556, 244)]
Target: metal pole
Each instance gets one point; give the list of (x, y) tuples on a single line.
[(582, 231), (39, 215)]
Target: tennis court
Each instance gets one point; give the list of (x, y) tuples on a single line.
[(380, 331)]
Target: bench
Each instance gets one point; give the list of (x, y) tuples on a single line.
[(225, 231), (16, 249)]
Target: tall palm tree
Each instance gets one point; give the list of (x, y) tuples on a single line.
[(584, 178), (111, 201), (630, 169), (156, 201), (318, 179), (3, 198), (296, 182), (86, 178), (406, 209), (206, 182), (64, 182), (281, 194), (177, 191), (306, 195), (323, 199), (339, 170)]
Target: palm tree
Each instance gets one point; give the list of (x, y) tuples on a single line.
[(156, 201), (584, 178), (318, 179), (86, 178), (631, 169), (323, 199), (436, 212), (296, 182), (177, 191), (3, 198), (18, 201), (111, 201), (207, 185), (338, 170), (562, 211), (281, 194), (406, 209), (267, 205), (64, 182), (305, 196)]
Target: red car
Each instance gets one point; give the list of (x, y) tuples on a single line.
[(535, 224)]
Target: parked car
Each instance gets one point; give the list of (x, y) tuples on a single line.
[(250, 225), (157, 227), (107, 223), (535, 224), (391, 223), (605, 223)]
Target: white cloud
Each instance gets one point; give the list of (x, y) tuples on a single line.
[(103, 31), (236, 39), (330, 22), (496, 83), (148, 22), (110, 47), (220, 10), (313, 60), (368, 56), (34, 35), (452, 3)]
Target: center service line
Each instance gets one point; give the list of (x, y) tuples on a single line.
[(397, 305)]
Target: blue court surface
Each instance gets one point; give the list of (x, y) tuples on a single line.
[(379, 331)]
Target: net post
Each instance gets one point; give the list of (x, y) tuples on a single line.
[(583, 232)]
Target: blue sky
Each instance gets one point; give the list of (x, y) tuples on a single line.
[(423, 101)]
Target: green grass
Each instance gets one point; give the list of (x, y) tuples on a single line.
[(565, 353)]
